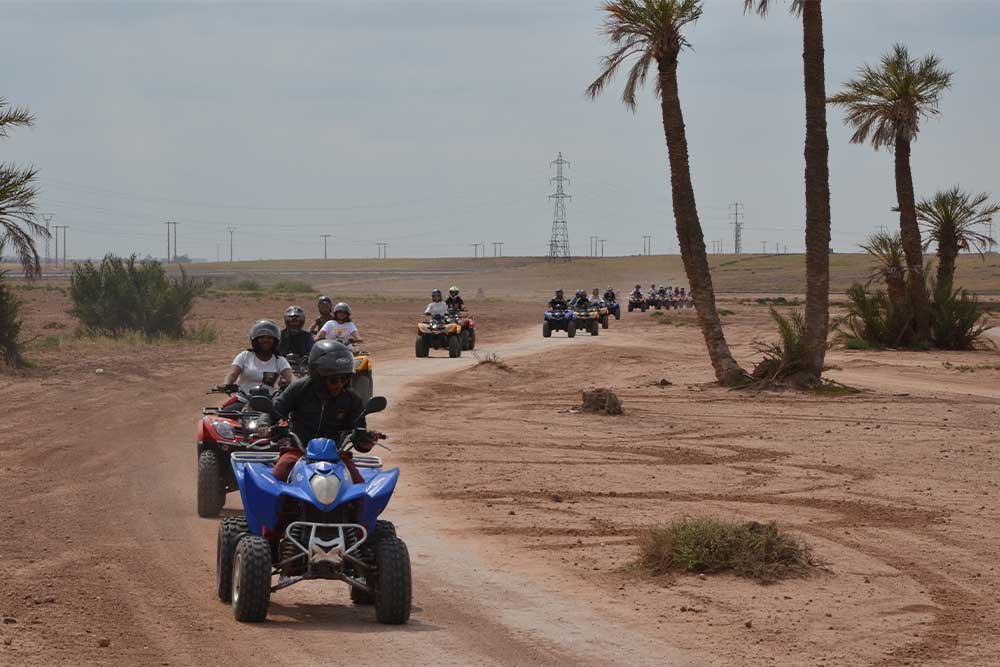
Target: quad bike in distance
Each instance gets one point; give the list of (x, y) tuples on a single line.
[(468, 324), (363, 382), (614, 307), (440, 332), (221, 431), (653, 299), (559, 319), (637, 302), (603, 313), (321, 524), (589, 320)]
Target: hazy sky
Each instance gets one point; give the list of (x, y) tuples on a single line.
[(431, 124)]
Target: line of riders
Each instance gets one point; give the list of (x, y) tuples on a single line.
[(664, 297)]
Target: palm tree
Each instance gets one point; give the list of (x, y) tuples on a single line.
[(653, 31), (886, 104), (817, 181), (887, 249), (17, 199), (951, 218)]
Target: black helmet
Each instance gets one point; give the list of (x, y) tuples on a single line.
[(435, 293), (265, 328), (559, 292), (328, 357), (294, 311), (581, 292), (259, 390), (324, 299)]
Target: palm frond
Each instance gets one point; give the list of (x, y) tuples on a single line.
[(13, 116), (955, 217), (17, 216), (762, 7)]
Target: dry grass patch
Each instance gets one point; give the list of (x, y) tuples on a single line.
[(491, 360), (602, 401), (704, 545)]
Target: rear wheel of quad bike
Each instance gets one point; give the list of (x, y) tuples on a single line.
[(594, 328), (251, 579), (618, 313), (362, 386), (643, 308), (211, 486), (631, 307), (392, 582), (454, 346), (231, 530), (383, 530), (604, 321), (546, 329), (464, 337), (571, 329), (423, 349)]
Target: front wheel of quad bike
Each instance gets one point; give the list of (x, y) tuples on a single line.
[(231, 530), (211, 487), (631, 307), (594, 328), (571, 329), (546, 329), (423, 349), (454, 347), (383, 530), (251, 579), (644, 308), (464, 337), (604, 321), (392, 586), (362, 385), (618, 314)]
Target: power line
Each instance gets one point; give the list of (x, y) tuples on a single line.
[(559, 240)]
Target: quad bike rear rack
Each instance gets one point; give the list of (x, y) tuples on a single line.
[(254, 457)]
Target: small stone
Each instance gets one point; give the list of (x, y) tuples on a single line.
[(664, 382), (556, 498), (512, 512), (9, 620), (7, 641), (50, 599), (748, 624), (104, 642), (100, 371)]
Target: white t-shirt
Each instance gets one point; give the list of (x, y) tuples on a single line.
[(253, 370), (436, 308), (334, 330)]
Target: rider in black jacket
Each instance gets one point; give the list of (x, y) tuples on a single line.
[(558, 302), (295, 339)]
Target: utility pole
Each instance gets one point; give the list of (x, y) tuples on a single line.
[(57, 228), (593, 246), (475, 250), (166, 258), (47, 218), (647, 245), (325, 237), (231, 230), (734, 210), (763, 247), (500, 243), (381, 249), (497, 248), (168, 240), (559, 241), (601, 241)]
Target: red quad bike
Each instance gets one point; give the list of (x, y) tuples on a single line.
[(221, 431), (468, 335)]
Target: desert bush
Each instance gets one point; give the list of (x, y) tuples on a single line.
[(958, 322), (782, 358), (705, 545), (121, 295), (491, 359), (291, 287), (246, 286), (202, 333), (10, 324), (875, 321)]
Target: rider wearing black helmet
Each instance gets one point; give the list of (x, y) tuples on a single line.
[(436, 306), (261, 363), (581, 300), (325, 307), (320, 405), (558, 302), (294, 339), (609, 294)]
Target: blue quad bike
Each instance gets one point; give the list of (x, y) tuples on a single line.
[(559, 320), (614, 307), (318, 525)]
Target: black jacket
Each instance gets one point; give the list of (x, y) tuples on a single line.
[(455, 303), (558, 304), (610, 295), (311, 415), (299, 342), (318, 324)]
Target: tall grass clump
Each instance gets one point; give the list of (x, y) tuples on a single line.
[(705, 545), (10, 324), (121, 296), (291, 287)]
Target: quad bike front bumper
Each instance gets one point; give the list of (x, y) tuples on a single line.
[(327, 548)]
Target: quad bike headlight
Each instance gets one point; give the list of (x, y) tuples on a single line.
[(224, 429), (326, 487)]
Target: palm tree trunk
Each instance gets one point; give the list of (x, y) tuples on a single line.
[(817, 177), (947, 253), (910, 234), (689, 234)]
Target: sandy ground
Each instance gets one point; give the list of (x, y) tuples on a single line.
[(522, 514)]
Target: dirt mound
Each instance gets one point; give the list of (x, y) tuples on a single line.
[(602, 401)]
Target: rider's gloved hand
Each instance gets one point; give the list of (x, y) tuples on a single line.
[(363, 440)]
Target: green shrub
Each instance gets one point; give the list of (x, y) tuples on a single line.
[(782, 358), (958, 322), (877, 320), (291, 287), (50, 342), (122, 295), (202, 333), (745, 548), (10, 324), (247, 286)]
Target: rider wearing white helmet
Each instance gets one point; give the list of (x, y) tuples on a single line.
[(454, 301), (340, 327)]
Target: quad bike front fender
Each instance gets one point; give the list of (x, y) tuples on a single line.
[(377, 494)]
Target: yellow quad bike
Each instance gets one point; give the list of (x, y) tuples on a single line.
[(603, 313), (588, 319), (441, 332), (363, 383)]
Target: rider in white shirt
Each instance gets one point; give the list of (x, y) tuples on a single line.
[(261, 364), (436, 306), (340, 327)]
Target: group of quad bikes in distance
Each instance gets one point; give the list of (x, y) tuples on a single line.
[(593, 313), (454, 331)]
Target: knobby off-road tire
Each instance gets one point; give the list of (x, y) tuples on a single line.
[(464, 337), (546, 329), (383, 530), (231, 530), (604, 321), (472, 339), (618, 313), (631, 307), (454, 347), (393, 592), (211, 487), (362, 385), (595, 328), (571, 329), (423, 349), (252, 579)]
